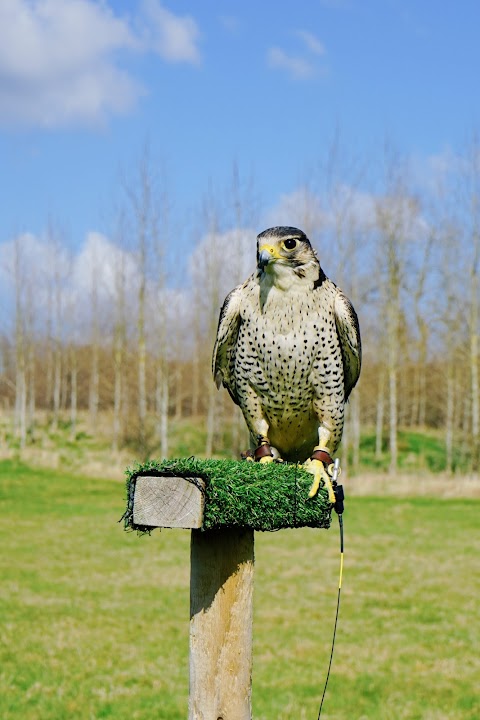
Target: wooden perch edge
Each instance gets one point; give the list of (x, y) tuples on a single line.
[(218, 494)]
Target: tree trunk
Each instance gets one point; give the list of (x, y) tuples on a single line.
[(211, 419), (142, 367), (31, 384), (178, 390), (449, 416), (20, 421), (195, 387), (392, 385), (474, 385), (57, 380), (380, 415), (21, 399), (356, 427), (117, 394), (73, 392), (162, 408), (94, 385)]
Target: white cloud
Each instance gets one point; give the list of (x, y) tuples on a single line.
[(112, 271), (100, 263), (226, 258), (435, 172), (88, 281), (55, 62), (174, 38), (46, 268), (311, 42), (60, 60), (28, 266), (352, 207), (300, 208), (297, 67)]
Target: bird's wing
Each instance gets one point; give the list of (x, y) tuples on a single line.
[(223, 361), (348, 331)]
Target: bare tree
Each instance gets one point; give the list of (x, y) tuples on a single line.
[(56, 280), (387, 220), (418, 408), (243, 207), (211, 276), (224, 257), (119, 334), (471, 223), (140, 205), (148, 205), (20, 421), (30, 320), (165, 341), (395, 214), (380, 410), (73, 390), (94, 384)]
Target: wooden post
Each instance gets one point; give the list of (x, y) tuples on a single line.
[(221, 596), (221, 614)]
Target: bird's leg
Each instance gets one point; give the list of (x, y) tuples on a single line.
[(259, 434), (263, 453), (259, 440), (319, 463)]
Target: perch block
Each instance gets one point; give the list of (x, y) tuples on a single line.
[(217, 494), (222, 502)]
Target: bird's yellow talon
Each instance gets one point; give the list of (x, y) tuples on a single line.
[(266, 459), (331, 494), (319, 472), (314, 488)]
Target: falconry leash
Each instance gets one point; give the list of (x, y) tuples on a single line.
[(338, 507)]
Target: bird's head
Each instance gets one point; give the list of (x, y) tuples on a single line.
[(286, 249)]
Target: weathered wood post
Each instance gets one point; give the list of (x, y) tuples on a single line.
[(221, 596), (222, 509), (221, 616)]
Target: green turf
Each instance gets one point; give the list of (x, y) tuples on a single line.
[(94, 621), (243, 494)]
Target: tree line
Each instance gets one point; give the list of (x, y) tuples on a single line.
[(120, 333)]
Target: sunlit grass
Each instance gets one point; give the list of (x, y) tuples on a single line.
[(407, 640), (94, 621), (418, 450)]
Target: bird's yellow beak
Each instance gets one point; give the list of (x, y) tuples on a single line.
[(266, 253)]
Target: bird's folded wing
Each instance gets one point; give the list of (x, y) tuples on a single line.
[(225, 345), (349, 335)]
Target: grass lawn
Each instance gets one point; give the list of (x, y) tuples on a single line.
[(94, 621)]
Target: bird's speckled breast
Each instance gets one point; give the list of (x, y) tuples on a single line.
[(285, 359)]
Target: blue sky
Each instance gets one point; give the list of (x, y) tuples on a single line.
[(84, 84)]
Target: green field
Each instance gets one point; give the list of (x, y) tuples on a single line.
[(94, 621)]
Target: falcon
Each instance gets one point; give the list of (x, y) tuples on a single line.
[(288, 351)]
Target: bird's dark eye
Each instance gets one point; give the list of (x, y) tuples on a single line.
[(290, 244)]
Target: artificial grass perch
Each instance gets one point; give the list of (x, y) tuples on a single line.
[(242, 494)]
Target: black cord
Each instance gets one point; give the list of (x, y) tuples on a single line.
[(340, 522), (295, 498)]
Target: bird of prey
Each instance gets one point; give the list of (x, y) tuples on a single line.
[(288, 351)]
